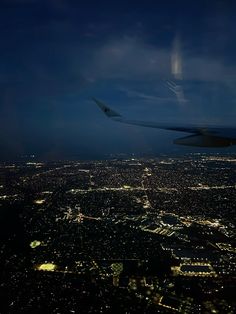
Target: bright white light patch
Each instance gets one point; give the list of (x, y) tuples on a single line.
[(39, 201)]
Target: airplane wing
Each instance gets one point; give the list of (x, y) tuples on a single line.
[(201, 135)]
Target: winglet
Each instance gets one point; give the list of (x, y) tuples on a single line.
[(108, 112)]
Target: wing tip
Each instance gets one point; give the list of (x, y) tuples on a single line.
[(108, 111)]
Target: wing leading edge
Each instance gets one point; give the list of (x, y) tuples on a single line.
[(202, 135)]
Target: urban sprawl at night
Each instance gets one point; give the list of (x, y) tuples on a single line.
[(127, 235)]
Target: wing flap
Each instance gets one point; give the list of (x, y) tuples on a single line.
[(204, 141)]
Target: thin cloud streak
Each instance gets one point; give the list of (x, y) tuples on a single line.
[(131, 58)]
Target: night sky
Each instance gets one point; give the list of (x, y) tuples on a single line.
[(155, 60)]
